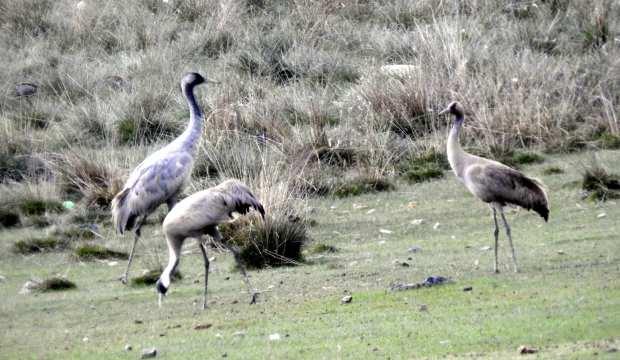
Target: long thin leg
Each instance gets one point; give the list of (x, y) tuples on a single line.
[(246, 280), (203, 249), (124, 277), (496, 234), (512, 248), (217, 237)]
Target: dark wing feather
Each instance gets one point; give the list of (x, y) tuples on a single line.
[(508, 186)]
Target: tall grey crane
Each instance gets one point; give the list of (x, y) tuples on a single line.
[(199, 214), (492, 182), (161, 176)]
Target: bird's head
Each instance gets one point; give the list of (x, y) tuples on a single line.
[(161, 290), (194, 79), (455, 108)]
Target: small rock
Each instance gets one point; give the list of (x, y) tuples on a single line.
[(239, 334), (381, 242), (485, 248), (359, 206), (370, 211), (85, 339), (274, 337), (601, 215), (436, 226), (218, 335), (346, 300), (112, 263), (385, 231), (444, 342), (202, 326), (29, 286), (128, 347), (2, 279), (412, 205), (423, 307), (404, 264), (414, 249), (137, 321), (527, 350), (468, 288), (149, 353), (561, 252), (416, 222)]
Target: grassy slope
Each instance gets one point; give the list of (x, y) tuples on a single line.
[(567, 305)]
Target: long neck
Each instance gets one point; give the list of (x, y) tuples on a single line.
[(190, 136), (456, 155)]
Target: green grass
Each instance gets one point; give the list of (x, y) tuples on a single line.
[(91, 252), (565, 302)]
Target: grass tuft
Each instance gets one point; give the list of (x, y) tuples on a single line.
[(599, 184), (32, 206), (609, 141), (553, 170), (151, 276), (37, 245), (56, 284), (273, 242), (424, 167), (91, 252), (361, 184), (9, 218), (322, 248)]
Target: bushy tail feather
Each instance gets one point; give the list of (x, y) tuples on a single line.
[(120, 213)]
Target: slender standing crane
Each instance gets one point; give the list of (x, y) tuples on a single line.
[(161, 176), (199, 214), (492, 182)]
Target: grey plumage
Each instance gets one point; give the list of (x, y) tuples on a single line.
[(161, 176), (492, 182), (198, 215)]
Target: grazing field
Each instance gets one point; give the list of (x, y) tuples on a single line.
[(565, 302)]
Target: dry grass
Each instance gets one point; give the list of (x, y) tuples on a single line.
[(302, 100)]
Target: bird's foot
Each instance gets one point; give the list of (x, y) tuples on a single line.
[(254, 297), (123, 279), (496, 271), (205, 306)]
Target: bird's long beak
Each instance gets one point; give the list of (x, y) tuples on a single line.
[(444, 111)]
